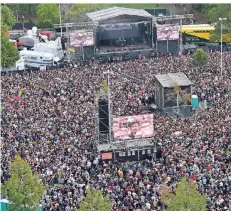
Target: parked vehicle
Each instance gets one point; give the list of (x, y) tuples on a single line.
[(51, 48), (35, 59)]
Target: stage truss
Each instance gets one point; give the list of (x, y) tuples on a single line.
[(127, 145)]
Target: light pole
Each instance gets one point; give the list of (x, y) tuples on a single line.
[(108, 73), (222, 19), (60, 20), (181, 38)]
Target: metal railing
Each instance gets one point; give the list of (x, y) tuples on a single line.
[(182, 111)]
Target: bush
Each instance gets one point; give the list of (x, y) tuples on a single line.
[(200, 57)]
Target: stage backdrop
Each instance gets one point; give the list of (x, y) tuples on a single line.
[(167, 32), (127, 31), (133, 127), (81, 38)]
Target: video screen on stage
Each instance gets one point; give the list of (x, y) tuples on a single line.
[(133, 127), (81, 38), (167, 32)]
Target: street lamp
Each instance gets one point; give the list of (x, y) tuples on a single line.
[(222, 19), (60, 19)]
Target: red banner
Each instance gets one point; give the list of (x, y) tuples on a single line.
[(106, 156)]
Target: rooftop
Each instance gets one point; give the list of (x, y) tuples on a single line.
[(115, 12), (170, 79)]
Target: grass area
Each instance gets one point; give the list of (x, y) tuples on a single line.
[(135, 6)]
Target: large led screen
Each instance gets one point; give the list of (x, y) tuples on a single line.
[(167, 32), (81, 38), (133, 127)]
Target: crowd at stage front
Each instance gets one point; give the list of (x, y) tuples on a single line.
[(48, 119)]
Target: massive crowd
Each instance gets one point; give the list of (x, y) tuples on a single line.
[(48, 119)]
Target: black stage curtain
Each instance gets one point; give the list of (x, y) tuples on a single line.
[(115, 33)]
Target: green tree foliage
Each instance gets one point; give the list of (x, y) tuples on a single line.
[(47, 14), (28, 10), (9, 54), (223, 11), (95, 201), (165, 192), (23, 188), (13, 7), (186, 198), (202, 8), (7, 17), (199, 57), (79, 10)]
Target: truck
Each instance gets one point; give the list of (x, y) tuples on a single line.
[(36, 59), (51, 48), (50, 34)]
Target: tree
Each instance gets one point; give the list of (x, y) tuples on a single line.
[(14, 8), (202, 8), (7, 17), (199, 57), (165, 192), (48, 14), (23, 188), (95, 201), (79, 10), (105, 86), (9, 54), (223, 11), (28, 10), (186, 198)]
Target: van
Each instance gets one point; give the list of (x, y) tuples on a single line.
[(51, 48), (35, 59)]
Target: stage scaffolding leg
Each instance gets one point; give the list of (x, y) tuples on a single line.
[(156, 46), (83, 53), (167, 46), (152, 33)]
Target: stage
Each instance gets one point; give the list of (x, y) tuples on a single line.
[(130, 150), (113, 49)]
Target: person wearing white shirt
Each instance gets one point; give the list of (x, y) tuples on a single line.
[(148, 206)]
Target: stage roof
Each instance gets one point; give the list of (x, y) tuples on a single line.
[(114, 12), (170, 79)]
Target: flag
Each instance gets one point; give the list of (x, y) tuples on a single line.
[(19, 99), (20, 92)]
